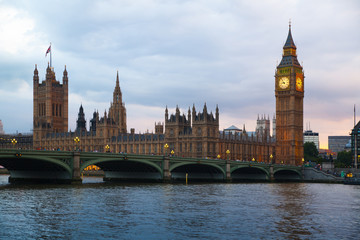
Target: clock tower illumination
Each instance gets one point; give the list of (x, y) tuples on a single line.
[(289, 94)]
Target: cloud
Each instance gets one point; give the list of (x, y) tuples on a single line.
[(184, 53)]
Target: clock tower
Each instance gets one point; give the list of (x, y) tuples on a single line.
[(289, 95)]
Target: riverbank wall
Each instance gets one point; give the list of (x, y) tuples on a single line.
[(317, 176)]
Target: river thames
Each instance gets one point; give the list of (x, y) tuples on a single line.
[(97, 210)]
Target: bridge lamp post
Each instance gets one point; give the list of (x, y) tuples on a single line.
[(228, 154), (172, 152), (253, 159), (166, 146), (76, 140), (13, 141), (271, 158), (218, 156), (107, 147)]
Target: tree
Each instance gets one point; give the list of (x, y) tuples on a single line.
[(310, 152), (343, 160)]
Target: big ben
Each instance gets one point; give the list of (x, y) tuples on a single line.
[(289, 95)]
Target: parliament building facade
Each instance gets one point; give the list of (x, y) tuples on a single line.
[(194, 134)]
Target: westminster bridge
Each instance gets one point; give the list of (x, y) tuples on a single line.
[(61, 166)]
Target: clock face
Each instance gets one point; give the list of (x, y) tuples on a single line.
[(299, 83), (284, 82)]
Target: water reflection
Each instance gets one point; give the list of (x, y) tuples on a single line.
[(98, 210), (295, 220)]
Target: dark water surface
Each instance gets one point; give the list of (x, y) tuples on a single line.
[(96, 210)]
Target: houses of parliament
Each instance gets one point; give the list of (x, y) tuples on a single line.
[(193, 134)]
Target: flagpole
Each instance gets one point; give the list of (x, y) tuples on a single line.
[(50, 56)]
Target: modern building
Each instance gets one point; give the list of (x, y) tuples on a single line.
[(355, 144), (310, 136), (1, 128), (338, 143), (289, 94)]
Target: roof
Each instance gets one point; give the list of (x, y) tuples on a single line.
[(232, 127), (289, 41)]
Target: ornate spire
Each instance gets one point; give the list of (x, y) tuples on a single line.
[(289, 57), (117, 96), (289, 41)]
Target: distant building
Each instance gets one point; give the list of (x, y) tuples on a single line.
[(232, 129), (263, 127), (310, 136), (338, 143), (1, 128), (355, 141), (274, 127)]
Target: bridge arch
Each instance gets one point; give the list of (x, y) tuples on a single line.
[(197, 172), (24, 166), (249, 173), (126, 168), (286, 174)]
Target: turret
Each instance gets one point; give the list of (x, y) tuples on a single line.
[(36, 75), (166, 114), (65, 77)]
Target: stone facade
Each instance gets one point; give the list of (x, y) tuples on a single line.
[(289, 94), (50, 105), (196, 135)]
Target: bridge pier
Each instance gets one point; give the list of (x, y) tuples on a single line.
[(228, 171), (271, 170), (76, 168), (166, 171)]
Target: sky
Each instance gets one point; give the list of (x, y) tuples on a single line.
[(182, 53)]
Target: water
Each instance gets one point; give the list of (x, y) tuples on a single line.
[(96, 210)]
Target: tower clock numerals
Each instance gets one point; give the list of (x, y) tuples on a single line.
[(299, 84), (284, 82)]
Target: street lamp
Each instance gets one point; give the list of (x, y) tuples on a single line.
[(76, 140), (166, 146), (13, 141), (172, 152), (218, 156), (107, 147), (271, 158), (228, 154), (253, 159)]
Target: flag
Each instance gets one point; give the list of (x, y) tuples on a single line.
[(49, 50)]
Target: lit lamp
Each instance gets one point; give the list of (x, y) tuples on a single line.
[(228, 153), (253, 159), (166, 146), (172, 152), (218, 156), (13, 141), (107, 147), (271, 158), (76, 140)]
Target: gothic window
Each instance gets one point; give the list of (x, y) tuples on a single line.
[(60, 110), (180, 147), (56, 110), (171, 132), (53, 109), (190, 147), (199, 147), (199, 131)]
